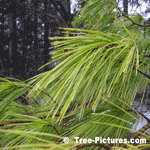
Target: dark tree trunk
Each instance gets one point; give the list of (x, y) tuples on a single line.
[(125, 6), (2, 39), (13, 53), (46, 56)]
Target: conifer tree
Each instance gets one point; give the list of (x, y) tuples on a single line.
[(89, 93)]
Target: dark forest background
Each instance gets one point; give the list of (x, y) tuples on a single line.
[(25, 26)]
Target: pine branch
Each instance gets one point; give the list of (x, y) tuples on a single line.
[(146, 25), (148, 120), (145, 74), (13, 121), (43, 92), (23, 121), (15, 80), (30, 113), (53, 128), (142, 130)]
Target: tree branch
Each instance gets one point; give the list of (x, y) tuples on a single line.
[(13, 121), (146, 25), (32, 88), (61, 10), (145, 74), (43, 92), (23, 121), (49, 125), (142, 130), (140, 114)]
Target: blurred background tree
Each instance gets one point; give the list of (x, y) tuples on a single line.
[(25, 28)]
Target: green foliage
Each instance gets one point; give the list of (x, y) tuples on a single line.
[(89, 93)]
